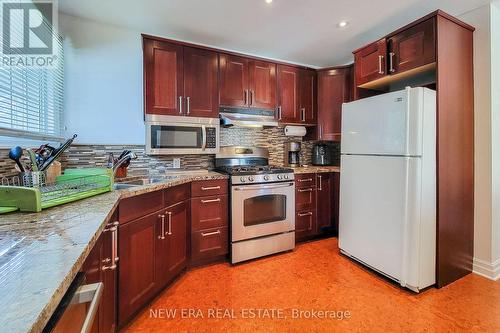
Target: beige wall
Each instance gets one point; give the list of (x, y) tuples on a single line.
[(487, 142)]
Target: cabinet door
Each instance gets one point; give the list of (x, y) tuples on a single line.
[(138, 256), (335, 200), (334, 88), (324, 204), (370, 62), (262, 78), (209, 212), (163, 77), (305, 224), (201, 83), (307, 93), (413, 47), (288, 87), (177, 222), (233, 80)]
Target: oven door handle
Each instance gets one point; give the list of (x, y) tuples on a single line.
[(262, 187)]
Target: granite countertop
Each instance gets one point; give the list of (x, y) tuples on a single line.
[(316, 169), (41, 253)]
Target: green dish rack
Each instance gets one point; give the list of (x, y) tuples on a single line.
[(27, 195)]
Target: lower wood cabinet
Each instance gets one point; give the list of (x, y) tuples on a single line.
[(153, 251), (98, 267), (209, 244), (316, 204)]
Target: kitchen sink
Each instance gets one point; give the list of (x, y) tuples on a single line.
[(143, 181)]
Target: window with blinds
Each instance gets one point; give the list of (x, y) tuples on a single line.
[(31, 99)]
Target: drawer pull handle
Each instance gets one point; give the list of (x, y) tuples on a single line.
[(305, 214), (211, 200), (210, 188), (162, 234), (203, 234), (305, 180), (305, 189)]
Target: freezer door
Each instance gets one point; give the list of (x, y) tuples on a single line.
[(388, 124), (379, 198)]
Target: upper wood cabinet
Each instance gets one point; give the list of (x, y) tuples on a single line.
[(370, 62), (179, 80), (334, 88), (412, 48), (296, 95), (246, 82), (288, 87)]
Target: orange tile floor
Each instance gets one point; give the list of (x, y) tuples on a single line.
[(268, 295)]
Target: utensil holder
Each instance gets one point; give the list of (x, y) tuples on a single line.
[(33, 178)]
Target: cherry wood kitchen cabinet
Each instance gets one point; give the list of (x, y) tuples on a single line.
[(334, 88), (412, 47), (100, 267), (371, 62), (288, 100), (305, 206), (179, 80), (307, 96), (209, 221), (153, 247), (305, 224), (247, 82), (324, 202)]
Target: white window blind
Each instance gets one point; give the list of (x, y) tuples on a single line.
[(31, 99)]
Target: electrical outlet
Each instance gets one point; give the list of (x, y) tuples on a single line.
[(177, 163)]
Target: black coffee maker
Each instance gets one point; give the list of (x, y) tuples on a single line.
[(322, 154)]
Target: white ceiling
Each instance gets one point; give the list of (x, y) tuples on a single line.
[(298, 31)]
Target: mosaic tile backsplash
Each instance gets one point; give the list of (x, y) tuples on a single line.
[(81, 156)]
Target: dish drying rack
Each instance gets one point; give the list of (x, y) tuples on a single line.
[(29, 192)]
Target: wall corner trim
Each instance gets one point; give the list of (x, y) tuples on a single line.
[(487, 269)]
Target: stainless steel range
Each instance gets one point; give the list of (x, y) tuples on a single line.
[(262, 203)]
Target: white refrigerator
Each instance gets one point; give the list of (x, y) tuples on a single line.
[(387, 218)]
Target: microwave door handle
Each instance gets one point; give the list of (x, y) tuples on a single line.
[(203, 137)]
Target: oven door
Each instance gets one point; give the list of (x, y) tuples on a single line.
[(262, 210)]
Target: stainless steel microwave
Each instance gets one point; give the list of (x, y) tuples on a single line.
[(173, 135)]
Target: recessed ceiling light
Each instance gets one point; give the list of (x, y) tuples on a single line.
[(269, 1), (343, 24)]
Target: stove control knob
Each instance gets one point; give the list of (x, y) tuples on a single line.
[(250, 179), (242, 179), (266, 177), (280, 177), (286, 176)]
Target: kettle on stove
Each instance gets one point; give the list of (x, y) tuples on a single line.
[(321, 154)]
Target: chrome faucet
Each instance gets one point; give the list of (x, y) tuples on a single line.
[(127, 157)]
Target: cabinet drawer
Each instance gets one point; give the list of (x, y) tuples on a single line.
[(139, 206), (305, 180), (203, 188), (209, 212), (177, 194), (305, 198), (209, 243), (305, 224)]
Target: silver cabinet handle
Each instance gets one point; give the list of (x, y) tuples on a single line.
[(380, 60), (305, 180), (320, 185), (305, 214), (246, 96), (169, 223), (203, 234), (279, 112), (180, 104), (210, 200), (113, 228), (162, 234), (251, 97), (188, 104), (320, 131), (303, 114), (391, 62), (305, 189), (88, 293), (210, 188)]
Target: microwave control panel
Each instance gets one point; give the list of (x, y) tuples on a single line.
[(211, 137)]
